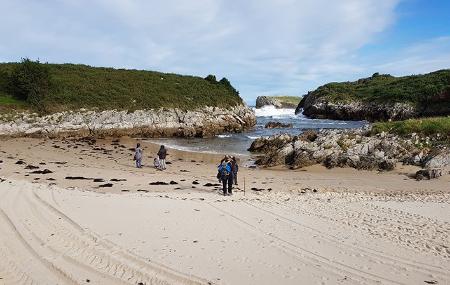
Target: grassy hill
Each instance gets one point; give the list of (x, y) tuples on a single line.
[(73, 86), (429, 92)]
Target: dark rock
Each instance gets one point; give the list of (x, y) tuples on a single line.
[(195, 182), (77, 178), (428, 174), (257, 189), (106, 185), (387, 165), (45, 171), (29, 166), (277, 125), (159, 183), (20, 162), (118, 179), (212, 184), (308, 135), (173, 183), (99, 180)]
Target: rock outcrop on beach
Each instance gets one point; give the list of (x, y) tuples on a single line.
[(346, 148), (278, 125), (288, 102), (161, 122), (381, 97)]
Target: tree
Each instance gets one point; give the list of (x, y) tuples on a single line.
[(227, 84), (30, 81), (211, 78)]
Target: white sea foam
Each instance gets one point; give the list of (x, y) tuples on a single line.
[(223, 136), (271, 111), (253, 137)]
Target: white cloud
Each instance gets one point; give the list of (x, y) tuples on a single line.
[(265, 46), (422, 57)]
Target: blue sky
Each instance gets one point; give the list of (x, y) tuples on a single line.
[(265, 47)]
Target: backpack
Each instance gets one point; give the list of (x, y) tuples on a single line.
[(225, 169)]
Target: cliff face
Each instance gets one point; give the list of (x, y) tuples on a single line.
[(315, 107), (161, 122), (288, 102)]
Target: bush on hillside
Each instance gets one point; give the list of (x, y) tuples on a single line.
[(30, 81)]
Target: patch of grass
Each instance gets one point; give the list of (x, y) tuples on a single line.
[(292, 100), (425, 126), (75, 86)]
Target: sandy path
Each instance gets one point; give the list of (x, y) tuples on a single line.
[(68, 236)]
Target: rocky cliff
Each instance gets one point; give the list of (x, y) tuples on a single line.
[(381, 97), (161, 122), (288, 102), (322, 108), (349, 148)]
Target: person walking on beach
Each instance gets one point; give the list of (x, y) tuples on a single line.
[(138, 155), (234, 169), (227, 177), (219, 168), (162, 153)]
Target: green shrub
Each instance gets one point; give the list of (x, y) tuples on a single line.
[(30, 81)]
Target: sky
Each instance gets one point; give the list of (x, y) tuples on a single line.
[(264, 47)]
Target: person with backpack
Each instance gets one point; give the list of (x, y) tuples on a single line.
[(234, 169), (227, 177), (219, 168), (138, 155), (162, 153)]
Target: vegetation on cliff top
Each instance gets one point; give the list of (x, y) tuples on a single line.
[(292, 100), (425, 91), (424, 126), (50, 88)]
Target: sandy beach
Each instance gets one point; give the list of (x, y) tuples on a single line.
[(79, 212)]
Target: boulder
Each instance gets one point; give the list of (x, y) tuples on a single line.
[(277, 125), (439, 160), (428, 173)]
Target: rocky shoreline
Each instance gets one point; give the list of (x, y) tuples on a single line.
[(162, 122), (352, 148)]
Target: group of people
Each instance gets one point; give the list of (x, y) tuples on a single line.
[(159, 162), (227, 169), (227, 174)]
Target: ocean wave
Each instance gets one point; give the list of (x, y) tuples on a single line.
[(253, 137), (223, 136), (271, 111)]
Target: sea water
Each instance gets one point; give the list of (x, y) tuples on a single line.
[(239, 143)]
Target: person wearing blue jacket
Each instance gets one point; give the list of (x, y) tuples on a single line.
[(226, 172)]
